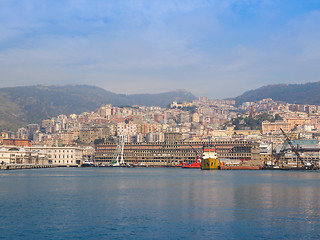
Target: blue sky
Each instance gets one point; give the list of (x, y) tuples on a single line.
[(217, 48)]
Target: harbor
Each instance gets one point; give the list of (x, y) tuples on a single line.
[(159, 120), (173, 152), (169, 203)]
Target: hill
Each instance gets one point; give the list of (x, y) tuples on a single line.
[(308, 93), (31, 104)]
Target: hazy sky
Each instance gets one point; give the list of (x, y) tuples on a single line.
[(217, 48)]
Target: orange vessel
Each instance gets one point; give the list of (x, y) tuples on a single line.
[(196, 164)]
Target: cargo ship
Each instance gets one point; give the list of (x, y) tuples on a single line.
[(210, 159)]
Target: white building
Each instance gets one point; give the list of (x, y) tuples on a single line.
[(17, 155), (61, 156)]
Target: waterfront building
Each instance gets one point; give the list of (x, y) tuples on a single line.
[(20, 155), (173, 151), (266, 154), (61, 156)]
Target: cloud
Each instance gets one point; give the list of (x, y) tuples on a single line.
[(213, 48)]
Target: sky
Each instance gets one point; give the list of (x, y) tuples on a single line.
[(213, 48)]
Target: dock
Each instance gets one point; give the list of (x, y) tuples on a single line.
[(24, 166), (240, 168)]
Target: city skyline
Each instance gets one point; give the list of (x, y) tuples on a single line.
[(150, 47)]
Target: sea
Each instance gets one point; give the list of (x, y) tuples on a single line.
[(159, 203)]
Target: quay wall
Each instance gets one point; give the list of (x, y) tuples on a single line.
[(24, 166)]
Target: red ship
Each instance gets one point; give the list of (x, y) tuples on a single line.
[(196, 164)]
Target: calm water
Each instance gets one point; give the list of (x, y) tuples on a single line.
[(152, 203)]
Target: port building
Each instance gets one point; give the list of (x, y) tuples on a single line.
[(173, 151)]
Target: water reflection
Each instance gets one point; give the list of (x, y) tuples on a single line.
[(159, 204), (284, 205)]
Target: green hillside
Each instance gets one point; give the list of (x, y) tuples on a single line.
[(308, 93), (31, 104)]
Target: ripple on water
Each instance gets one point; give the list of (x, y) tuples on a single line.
[(97, 203)]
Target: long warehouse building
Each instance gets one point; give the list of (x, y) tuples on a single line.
[(173, 151)]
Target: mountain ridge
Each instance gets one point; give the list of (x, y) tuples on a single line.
[(302, 93), (31, 104)]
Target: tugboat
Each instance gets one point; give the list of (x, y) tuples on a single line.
[(196, 164), (210, 159)]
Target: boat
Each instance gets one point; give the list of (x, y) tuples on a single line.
[(117, 164), (210, 159), (196, 164), (87, 163)]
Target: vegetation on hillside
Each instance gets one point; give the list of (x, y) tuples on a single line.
[(251, 122), (308, 93), (190, 109), (32, 104)]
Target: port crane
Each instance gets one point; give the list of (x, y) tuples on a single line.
[(283, 149), (117, 159), (294, 149)]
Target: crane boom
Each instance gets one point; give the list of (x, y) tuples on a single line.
[(283, 149), (293, 148)]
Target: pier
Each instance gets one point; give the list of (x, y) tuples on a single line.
[(24, 166)]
